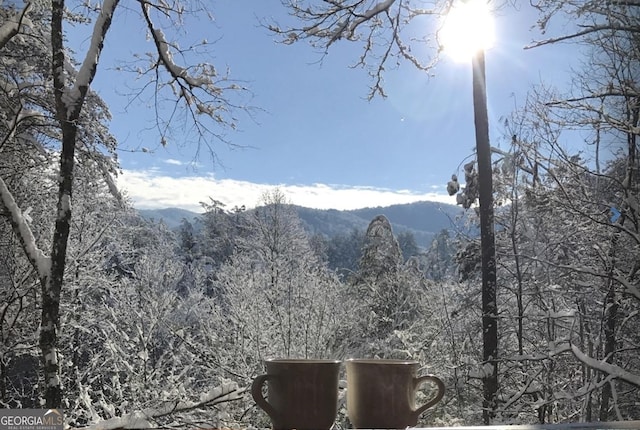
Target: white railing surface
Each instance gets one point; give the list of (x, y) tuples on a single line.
[(612, 425)]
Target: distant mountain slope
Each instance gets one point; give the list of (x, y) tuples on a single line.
[(172, 217), (422, 216), (330, 222), (423, 219)]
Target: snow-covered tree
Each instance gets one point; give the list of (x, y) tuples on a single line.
[(438, 258), (51, 112), (569, 238), (594, 196), (280, 298), (344, 252)]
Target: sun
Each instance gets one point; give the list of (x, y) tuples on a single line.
[(467, 28)]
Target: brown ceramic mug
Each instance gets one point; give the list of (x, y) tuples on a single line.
[(302, 394), (381, 393)]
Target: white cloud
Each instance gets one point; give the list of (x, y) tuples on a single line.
[(151, 190), (174, 162)]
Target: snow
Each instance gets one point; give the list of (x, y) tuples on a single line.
[(11, 27), (379, 7), (140, 419), (165, 53), (567, 313), (631, 289), (54, 381), (483, 372), (607, 368), (557, 348), (42, 262), (135, 420), (175, 70), (51, 357), (65, 204), (87, 69), (487, 369), (113, 188)]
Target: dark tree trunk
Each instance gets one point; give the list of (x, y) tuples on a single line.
[(487, 237), (609, 323), (610, 314), (52, 284), (67, 112)]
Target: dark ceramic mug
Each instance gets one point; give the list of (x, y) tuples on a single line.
[(381, 393), (302, 394)]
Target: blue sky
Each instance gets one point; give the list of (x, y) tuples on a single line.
[(316, 136)]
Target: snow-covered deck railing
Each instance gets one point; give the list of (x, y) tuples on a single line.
[(611, 425), (226, 392)]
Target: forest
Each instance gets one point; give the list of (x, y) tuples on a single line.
[(125, 323)]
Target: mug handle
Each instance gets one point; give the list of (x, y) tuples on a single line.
[(441, 388), (256, 393)]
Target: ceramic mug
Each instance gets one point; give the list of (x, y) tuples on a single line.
[(381, 393), (302, 394)]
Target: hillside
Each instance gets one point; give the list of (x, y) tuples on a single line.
[(422, 219), (172, 217)]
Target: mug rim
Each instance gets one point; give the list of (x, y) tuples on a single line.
[(303, 360), (381, 361)]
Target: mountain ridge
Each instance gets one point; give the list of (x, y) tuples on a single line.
[(423, 219)]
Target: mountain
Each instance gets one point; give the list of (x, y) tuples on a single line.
[(172, 217), (423, 219)]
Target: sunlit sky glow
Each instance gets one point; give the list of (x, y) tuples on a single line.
[(468, 27)]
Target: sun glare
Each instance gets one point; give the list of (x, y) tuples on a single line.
[(467, 28)]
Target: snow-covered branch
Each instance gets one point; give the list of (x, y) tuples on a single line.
[(40, 261), (102, 164), (520, 393), (141, 419), (88, 68), (367, 15), (631, 289), (198, 90), (163, 47), (607, 368), (12, 26), (21, 116)]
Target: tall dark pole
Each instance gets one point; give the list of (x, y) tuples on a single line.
[(487, 241)]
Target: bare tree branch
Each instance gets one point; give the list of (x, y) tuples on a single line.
[(377, 25), (590, 30)]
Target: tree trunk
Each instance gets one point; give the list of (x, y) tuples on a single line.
[(52, 284), (67, 112), (487, 237), (609, 323), (610, 314), (585, 336)]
